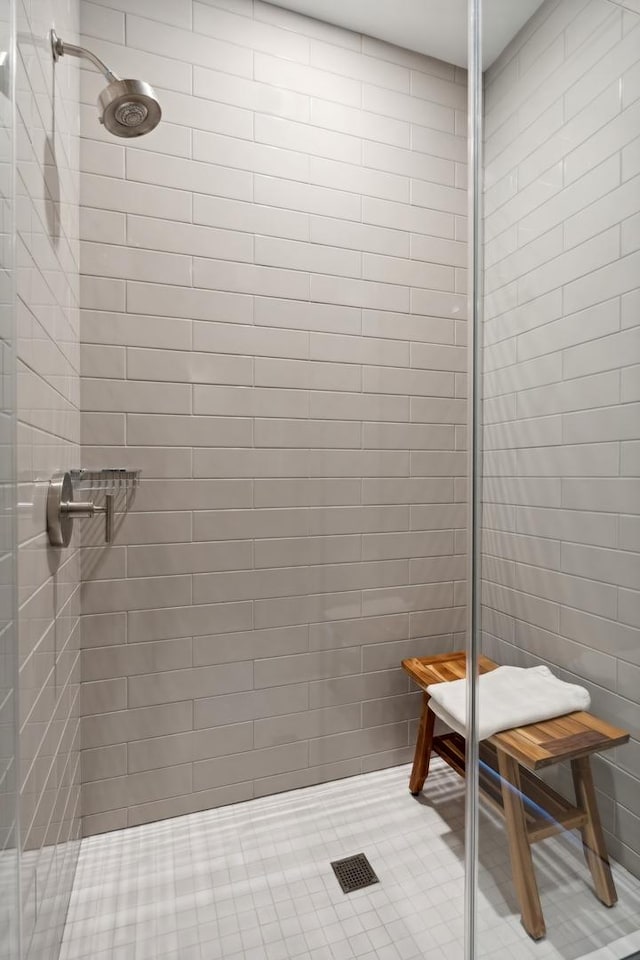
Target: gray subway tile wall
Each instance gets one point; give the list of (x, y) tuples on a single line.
[(562, 379), (273, 329), (48, 435)]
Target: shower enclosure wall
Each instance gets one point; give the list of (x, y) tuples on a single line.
[(45, 326), (561, 568), (273, 330)]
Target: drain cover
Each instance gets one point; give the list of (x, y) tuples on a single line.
[(353, 873)]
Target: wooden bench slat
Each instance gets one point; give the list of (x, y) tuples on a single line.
[(536, 745)]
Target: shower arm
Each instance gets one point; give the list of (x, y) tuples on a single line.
[(61, 49)]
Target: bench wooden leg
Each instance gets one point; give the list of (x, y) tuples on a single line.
[(424, 742), (524, 877), (593, 843)]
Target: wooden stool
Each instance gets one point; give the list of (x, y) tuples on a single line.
[(532, 811)]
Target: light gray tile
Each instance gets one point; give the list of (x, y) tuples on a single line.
[(250, 705), (192, 745), (245, 766), (305, 726), (306, 666), (189, 684)]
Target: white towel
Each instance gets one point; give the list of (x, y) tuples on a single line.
[(508, 697)]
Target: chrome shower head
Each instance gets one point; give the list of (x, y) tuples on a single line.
[(128, 108)]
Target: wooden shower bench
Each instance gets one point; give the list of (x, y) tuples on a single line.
[(531, 809)]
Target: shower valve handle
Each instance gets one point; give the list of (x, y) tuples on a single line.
[(80, 508), (62, 509)]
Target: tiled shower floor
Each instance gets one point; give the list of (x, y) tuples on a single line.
[(253, 882)]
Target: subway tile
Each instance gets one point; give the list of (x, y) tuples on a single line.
[(102, 763), (181, 805), (347, 633), (155, 462), (313, 257), (135, 594), (292, 314), (311, 608), (103, 629), (308, 80), (186, 238), (226, 25), (355, 178), (355, 689), (165, 559), (315, 375), (174, 42), (106, 428), (250, 279), (195, 620), (190, 684), (128, 263), (337, 405), (103, 696), (597, 563), (306, 492), (170, 430), (240, 401), (241, 216), (305, 666), (303, 551), (401, 216), (127, 196), (254, 523), (359, 293), (306, 198), (250, 705), (414, 490), (130, 396), (250, 94), (256, 763), (188, 494), (249, 645), (192, 745), (170, 781), (130, 725), (412, 383), (341, 746), (400, 326), (238, 463), (336, 59), (185, 367), (103, 663), (102, 225), (200, 113), (408, 436), (273, 731), (609, 280), (135, 330), (384, 546), (290, 134), (405, 599), (361, 123)]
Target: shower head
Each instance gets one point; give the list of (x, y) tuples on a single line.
[(128, 108)]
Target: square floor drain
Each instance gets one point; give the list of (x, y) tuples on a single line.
[(353, 873)]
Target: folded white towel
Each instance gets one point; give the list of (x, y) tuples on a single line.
[(508, 697)]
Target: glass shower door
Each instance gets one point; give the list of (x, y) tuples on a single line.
[(9, 924), (559, 537)]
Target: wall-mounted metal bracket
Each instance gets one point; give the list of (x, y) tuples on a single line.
[(62, 509)]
